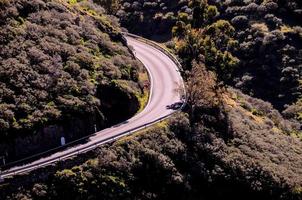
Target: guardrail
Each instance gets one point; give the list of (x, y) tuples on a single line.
[(167, 53), (157, 46), (28, 167)]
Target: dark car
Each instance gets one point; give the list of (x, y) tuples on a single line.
[(175, 106)]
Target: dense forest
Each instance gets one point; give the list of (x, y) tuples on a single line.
[(59, 62), (239, 136)]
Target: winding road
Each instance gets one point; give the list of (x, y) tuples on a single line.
[(165, 83)]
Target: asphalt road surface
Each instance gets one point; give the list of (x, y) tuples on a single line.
[(165, 83)]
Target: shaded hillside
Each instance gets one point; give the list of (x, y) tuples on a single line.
[(61, 66), (151, 19)]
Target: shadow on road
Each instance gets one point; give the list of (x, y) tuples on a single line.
[(120, 124)]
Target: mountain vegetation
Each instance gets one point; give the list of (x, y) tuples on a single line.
[(252, 45), (58, 60), (239, 136), (228, 146)]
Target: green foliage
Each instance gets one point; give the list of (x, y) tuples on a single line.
[(198, 12), (219, 37), (112, 6), (211, 13), (72, 1), (53, 64), (189, 46), (229, 145), (184, 17), (294, 111), (215, 43), (253, 45), (179, 30), (144, 17), (231, 150)]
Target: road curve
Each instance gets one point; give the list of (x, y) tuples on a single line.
[(165, 83)]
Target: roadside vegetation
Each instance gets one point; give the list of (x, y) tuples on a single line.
[(239, 136), (252, 45), (227, 145), (56, 59)]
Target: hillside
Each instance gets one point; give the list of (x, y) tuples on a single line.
[(252, 45), (224, 149), (240, 133), (64, 70)]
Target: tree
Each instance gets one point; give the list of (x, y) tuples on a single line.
[(218, 44), (202, 89), (112, 6), (179, 30), (211, 13), (198, 15)]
